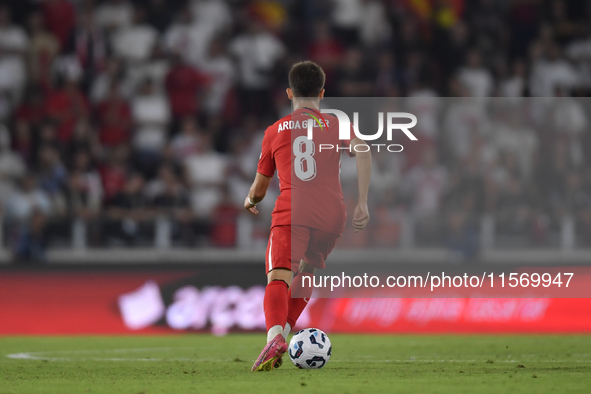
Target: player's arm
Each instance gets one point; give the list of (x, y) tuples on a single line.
[(265, 171), (363, 158), (257, 192)]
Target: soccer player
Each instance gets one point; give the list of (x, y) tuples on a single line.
[(309, 214)]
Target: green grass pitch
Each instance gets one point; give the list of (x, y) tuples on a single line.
[(197, 363)]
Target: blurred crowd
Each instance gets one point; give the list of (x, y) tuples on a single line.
[(122, 112)]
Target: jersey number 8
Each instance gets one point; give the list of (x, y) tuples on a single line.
[(304, 164)]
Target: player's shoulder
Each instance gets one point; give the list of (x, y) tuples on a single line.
[(331, 120), (329, 116)]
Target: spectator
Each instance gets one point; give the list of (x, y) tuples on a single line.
[(128, 217), (114, 115), (353, 77), (452, 47), (579, 51), (375, 29), (47, 137), (27, 212), (13, 38), (220, 71), (206, 173), (487, 25), (85, 138), (568, 118), (325, 50), (513, 137), (188, 38), (188, 142), (346, 20), (184, 85), (409, 40), (464, 122), (425, 104), (43, 49), (12, 168), (224, 228), (550, 71), (23, 144), (60, 19), (514, 212), (151, 116), (113, 74), (425, 184), (514, 85), (85, 188), (416, 73), (388, 79), (89, 44), (114, 172), (387, 230), (467, 190), (66, 106), (167, 196), (85, 193), (12, 165), (155, 68), (386, 173), (462, 237), (32, 109), (53, 178), (214, 15), (135, 43), (564, 26), (13, 47), (257, 52), (477, 80), (114, 14)]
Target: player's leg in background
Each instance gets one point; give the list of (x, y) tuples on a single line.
[(319, 246), (299, 295)]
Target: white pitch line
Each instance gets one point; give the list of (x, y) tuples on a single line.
[(130, 350), (39, 355), (29, 356), (461, 361), (44, 356)]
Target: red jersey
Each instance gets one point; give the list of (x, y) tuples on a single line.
[(308, 170)]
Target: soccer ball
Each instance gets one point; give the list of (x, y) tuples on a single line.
[(310, 349)]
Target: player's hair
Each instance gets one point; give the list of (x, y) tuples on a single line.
[(306, 79)]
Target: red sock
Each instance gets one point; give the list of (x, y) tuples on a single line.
[(299, 298), (275, 304)]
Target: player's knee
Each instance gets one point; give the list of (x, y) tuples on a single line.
[(280, 274)]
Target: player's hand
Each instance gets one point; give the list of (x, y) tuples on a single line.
[(249, 207), (360, 217)]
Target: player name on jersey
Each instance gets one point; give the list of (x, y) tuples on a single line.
[(296, 124)]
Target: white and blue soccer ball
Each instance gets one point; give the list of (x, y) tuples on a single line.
[(310, 348)]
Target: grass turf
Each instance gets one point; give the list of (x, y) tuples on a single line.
[(359, 364)]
